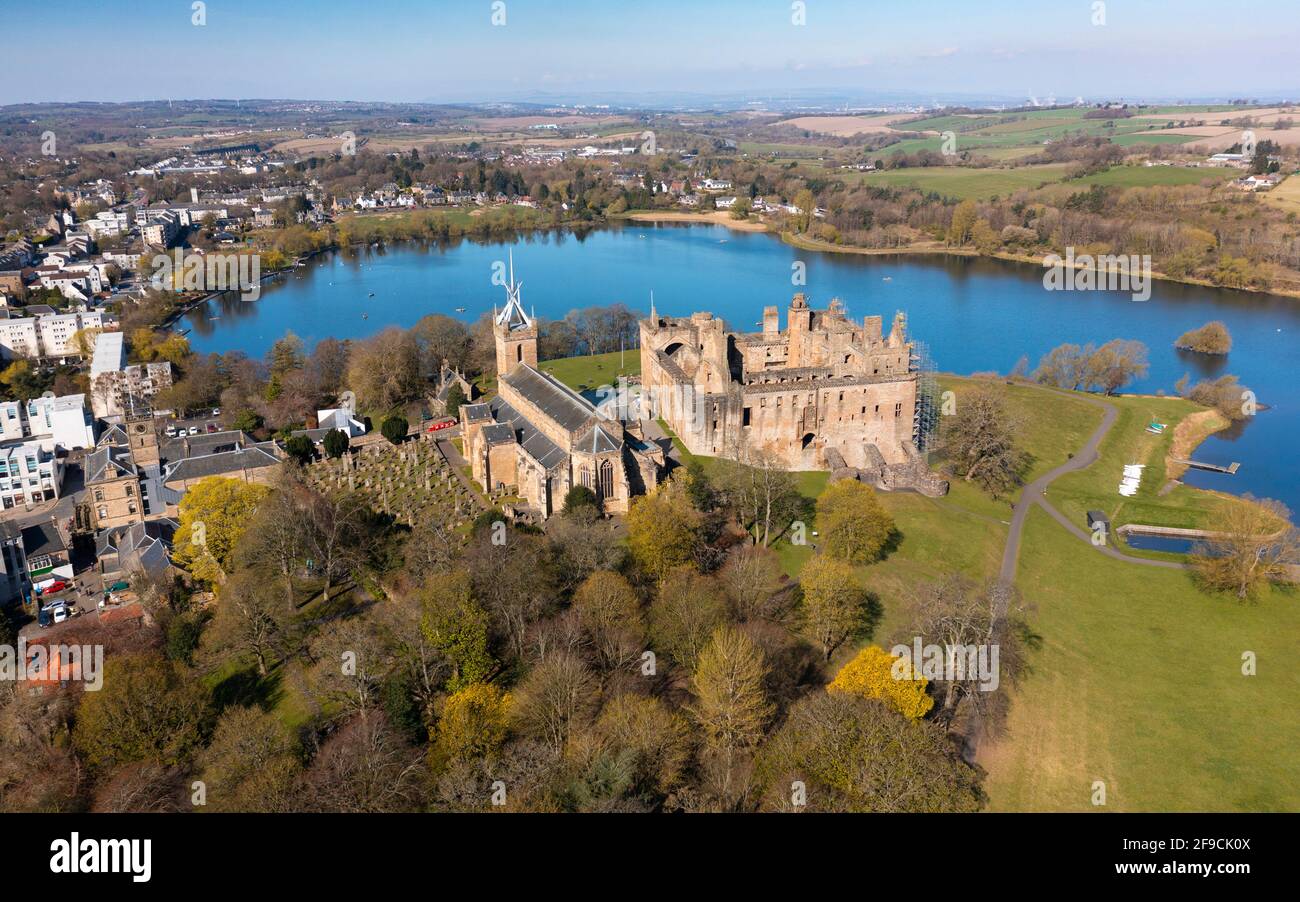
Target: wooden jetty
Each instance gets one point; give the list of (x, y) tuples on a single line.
[(1216, 468)]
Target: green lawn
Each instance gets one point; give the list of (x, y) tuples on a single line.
[(585, 373), (1097, 487), (965, 530), (1138, 684)]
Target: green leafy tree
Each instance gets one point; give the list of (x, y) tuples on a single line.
[(835, 605), (664, 527), (580, 498), (213, 516), (145, 711), (455, 398), (394, 429), (455, 625), (336, 443), (300, 448), (855, 524)]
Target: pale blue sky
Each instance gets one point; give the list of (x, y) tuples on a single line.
[(448, 50)]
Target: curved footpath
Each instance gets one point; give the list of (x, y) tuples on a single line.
[(1034, 494)]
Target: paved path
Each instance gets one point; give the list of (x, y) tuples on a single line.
[(453, 457), (1034, 494)]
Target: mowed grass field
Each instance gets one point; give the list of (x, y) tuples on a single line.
[(963, 182), (591, 372), (1138, 683)]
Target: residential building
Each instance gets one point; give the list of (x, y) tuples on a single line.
[(126, 552), (47, 551), (29, 475), (116, 388), (46, 335)]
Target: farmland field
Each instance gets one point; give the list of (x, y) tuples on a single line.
[(1145, 176), (1285, 196), (963, 183)]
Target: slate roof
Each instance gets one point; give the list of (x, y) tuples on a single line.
[(498, 434), (537, 446), (173, 449), (562, 405), (218, 464), (115, 434), (476, 413), (42, 538), (108, 462), (598, 441)]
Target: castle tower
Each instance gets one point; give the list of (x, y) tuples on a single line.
[(799, 323), (514, 330)]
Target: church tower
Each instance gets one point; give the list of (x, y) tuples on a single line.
[(515, 331), (144, 438)]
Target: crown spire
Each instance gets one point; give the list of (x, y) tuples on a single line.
[(512, 316)]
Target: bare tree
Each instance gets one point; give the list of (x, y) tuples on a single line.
[(964, 617), (1255, 544), (556, 698), (365, 767), (252, 616)]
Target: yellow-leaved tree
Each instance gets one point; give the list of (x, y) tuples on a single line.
[(663, 526), (472, 723), (214, 514), (875, 673)]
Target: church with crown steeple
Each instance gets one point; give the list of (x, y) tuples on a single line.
[(538, 438), (514, 330)]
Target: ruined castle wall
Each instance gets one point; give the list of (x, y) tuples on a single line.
[(799, 423)]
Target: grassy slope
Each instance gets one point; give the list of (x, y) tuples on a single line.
[(1129, 443), (1138, 683), (583, 373)]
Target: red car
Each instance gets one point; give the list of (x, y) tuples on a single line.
[(57, 586)]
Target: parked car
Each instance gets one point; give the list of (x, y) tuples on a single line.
[(212, 427), (45, 617), (216, 411), (171, 431), (60, 612), (194, 430)]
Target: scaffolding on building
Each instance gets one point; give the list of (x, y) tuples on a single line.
[(925, 419)]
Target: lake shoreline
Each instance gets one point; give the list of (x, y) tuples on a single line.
[(938, 248)]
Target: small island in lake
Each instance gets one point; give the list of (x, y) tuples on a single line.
[(1212, 338)]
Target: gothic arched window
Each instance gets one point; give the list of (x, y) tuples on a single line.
[(606, 479)]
